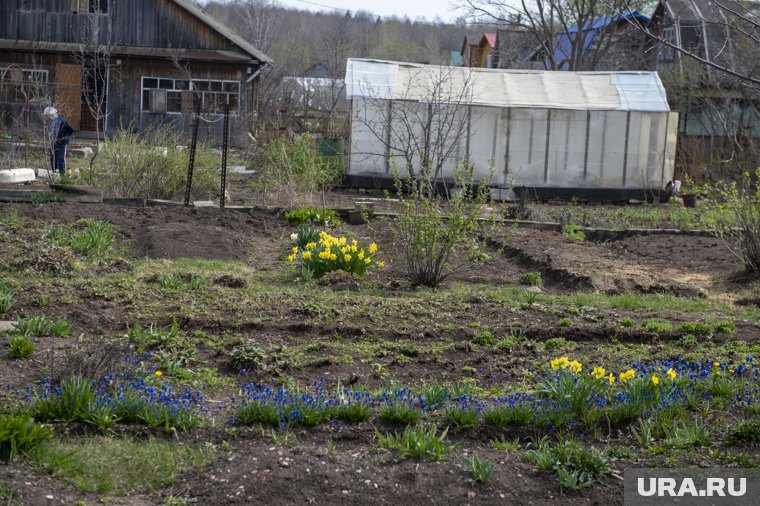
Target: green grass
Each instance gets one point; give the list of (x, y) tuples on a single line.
[(119, 466), (575, 465), (481, 469), (418, 443), (20, 347), (42, 326)]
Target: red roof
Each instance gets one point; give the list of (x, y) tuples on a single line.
[(491, 38)]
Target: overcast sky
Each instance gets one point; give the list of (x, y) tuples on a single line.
[(429, 9)]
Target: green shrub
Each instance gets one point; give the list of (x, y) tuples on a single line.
[(565, 323), (20, 434), (509, 342), (418, 443), (152, 164), (21, 347), (429, 241), (627, 323), (531, 279), (41, 326)]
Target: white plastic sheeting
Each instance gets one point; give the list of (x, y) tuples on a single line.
[(606, 130)]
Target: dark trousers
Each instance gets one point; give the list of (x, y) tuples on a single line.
[(58, 159)]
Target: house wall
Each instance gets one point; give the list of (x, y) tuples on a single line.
[(138, 23)]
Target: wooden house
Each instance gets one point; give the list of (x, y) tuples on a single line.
[(126, 63)]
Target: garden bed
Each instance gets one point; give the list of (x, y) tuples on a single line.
[(222, 280)]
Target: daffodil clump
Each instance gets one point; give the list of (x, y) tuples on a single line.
[(329, 253)]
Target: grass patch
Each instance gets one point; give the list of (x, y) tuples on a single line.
[(20, 347), (418, 443), (575, 465), (106, 465), (41, 326)]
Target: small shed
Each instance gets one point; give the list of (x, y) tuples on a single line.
[(585, 135)]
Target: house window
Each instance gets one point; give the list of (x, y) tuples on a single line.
[(90, 6), (667, 53), (213, 94), (19, 85)]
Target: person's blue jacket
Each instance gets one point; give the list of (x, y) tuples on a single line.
[(60, 132)]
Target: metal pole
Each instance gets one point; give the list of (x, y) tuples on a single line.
[(225, 141), (193, 144)]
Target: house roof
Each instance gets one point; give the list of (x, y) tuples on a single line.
[(563, 47), (539, 89), (222, 30), (490, 38)]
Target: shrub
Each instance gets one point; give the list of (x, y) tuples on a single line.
[(725, 327), (531, 279), (20, 434), (293, 171), (565, 323), (334, 254), (21, 347), (696, 328), (427, 240), (739, 206), (152, 164)]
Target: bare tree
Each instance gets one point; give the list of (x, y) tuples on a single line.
[(563, 30), (93, 55), (426, 125)]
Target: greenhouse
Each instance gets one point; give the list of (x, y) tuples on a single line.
[(585, 135)]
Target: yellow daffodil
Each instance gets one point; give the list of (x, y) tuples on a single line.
[(655, 380), (360, 256), (611, 378), (671, 373), (627, 375), (295, 249), (380, 264), (369, 261), (306, 255), (333, 257), (354, 243), (293, 236), (575, 366), (292, 257), (347, 258), (311, 245), (716, 364), (159, 373), (731, 371), (372, 247), (599, 372), (560, 363)]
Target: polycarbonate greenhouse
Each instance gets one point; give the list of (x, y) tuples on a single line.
[(589, 135)]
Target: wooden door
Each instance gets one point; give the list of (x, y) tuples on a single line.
[(68, 84)]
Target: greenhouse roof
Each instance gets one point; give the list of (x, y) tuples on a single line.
[(621, 91)]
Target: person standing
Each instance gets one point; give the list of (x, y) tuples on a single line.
[(60, 137)]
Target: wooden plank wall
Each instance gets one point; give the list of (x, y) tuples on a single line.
[(138, 23)]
